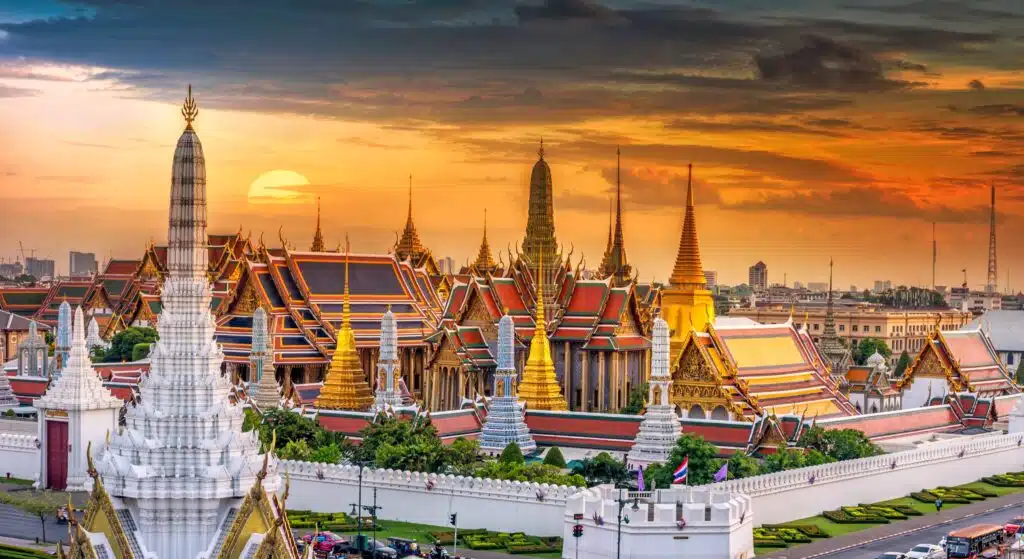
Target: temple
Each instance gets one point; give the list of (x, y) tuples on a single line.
[(870, 388), (539, 387), (389, 394), (318, 235), (184, 480), (686, 303), (952, 362), (76, 410), (660, 427), (505, 421), (832, 349), (615, 266), (409, 247), (345, 386)]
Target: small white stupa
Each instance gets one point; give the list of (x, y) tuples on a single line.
[(75, 411), (264, 393), (388, 395), (505, 423), (660, 427)]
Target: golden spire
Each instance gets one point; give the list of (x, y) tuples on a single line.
[(318, 237), (539, 387), (540, 152), (688, 269), (484, 262), (345, 386), (189, 110), (409, 246)]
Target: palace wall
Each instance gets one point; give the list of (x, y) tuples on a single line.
[(804, 492), (19, 456), (505, 506)]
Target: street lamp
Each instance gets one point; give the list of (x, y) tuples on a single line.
[(357, 507), (623, 518), (373, 518)]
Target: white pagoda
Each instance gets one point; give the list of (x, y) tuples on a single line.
[(264, 392), (388, 395), (505, 423), (62, 344), (92, 335), (660, 427), (75, 411), (181, 480)]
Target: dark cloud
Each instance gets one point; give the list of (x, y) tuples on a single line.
[(859, 201), (646, 188), (905, 66), (994, 153), (957, 11), (565, 10), (755, 126), (976, 85), (821, 63)]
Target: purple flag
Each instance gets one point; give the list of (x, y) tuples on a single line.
[(722, 473), (640, 479)]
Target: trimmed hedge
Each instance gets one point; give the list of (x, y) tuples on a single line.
[(12, 552), (516, 542), (1014, 479), (842, 516)]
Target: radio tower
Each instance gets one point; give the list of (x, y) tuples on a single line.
[(990, 286), (935, 255)]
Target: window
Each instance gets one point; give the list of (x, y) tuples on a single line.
[(854, 327), (816, 326), (842, 327), (878, 329), (1009, 359)]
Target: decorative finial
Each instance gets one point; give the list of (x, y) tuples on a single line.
[(189, 110), (540, 151)]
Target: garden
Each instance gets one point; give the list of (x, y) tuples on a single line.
[(12, 552)]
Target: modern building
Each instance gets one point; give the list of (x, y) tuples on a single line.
[(711, 278), (817, 286), (757, 278), (900, 329), (446, 265), (976, 301), (11, 270), (1005, 328), (39, 268), (82, 264), (882, 285)]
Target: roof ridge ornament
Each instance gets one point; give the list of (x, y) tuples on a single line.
[(189, 110)]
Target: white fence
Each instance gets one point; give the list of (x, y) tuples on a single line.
[(507, 506), (795, 494), (19, 456)]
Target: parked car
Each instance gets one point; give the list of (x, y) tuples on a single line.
[(405, 547), (926, 551), (1014, 525), (891, 555), (324, 541), (367, 547)]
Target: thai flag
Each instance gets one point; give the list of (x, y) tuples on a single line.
[(679, 476)]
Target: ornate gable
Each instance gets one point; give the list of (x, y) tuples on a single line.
[(100, 518), (696, 383), (149, 268), (628, 325), (248, 298), (929, 364)]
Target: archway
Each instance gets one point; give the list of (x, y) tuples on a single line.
[(720, 413), (696, 412), (656, 396)]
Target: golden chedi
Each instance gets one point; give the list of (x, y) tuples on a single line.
[(345, 386), (539, 387), (686, 302)]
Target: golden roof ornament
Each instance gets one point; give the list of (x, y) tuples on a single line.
[(189, 110), (539, 387)]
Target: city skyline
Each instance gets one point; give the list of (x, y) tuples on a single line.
[(826, 131)]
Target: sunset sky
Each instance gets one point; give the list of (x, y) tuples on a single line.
[(816, 128)]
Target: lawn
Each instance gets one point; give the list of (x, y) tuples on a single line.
[(16, 481), (834, 529)]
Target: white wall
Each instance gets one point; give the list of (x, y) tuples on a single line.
[(917, 393), (18, 456), (506, 506), (21, 426), (791, 495)]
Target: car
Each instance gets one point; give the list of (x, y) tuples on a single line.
[(926, 551), (891, 555), (1014, 525)]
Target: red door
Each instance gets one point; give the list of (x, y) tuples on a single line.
[(57, 455)]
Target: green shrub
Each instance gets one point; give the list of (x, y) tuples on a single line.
[(906, 510), (769, 542), (554, 458), (12, 552), (810, 530), (1015, 479), (842, 517), (521, 549), (512, 454)]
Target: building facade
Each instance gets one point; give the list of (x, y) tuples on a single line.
[(40, 268), (82, 264), (757, 277)]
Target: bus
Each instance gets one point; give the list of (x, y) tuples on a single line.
[(980, 540)]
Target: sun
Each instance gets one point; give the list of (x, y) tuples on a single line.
[(276, 186)]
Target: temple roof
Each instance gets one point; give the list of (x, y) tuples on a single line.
[(1004, 328), (409, 246), (967, 359)]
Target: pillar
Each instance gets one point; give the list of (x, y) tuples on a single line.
[(601, 388), (585, 381), (567, 376)]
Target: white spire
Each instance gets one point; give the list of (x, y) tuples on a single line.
[(79, 387), (92, 335), (505, 422), (265, 392), (660, 427), (388, 395)]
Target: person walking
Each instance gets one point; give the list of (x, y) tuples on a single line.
[(938, 505)]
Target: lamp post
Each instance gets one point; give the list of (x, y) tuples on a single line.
[(373, 518), (618, 536), (357, 507)]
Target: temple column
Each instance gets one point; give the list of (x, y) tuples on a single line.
[(460, 387), (599, 405), (584, 380), (567, 376), (435, 390)]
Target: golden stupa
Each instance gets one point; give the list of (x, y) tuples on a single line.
[(345, 386), (686, 303), (539, 387)]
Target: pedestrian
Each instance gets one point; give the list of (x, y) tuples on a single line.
[(938, 505)]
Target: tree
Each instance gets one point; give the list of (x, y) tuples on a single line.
[(867, 347), (512, 454), (839, 444), (783, 459), (741, 465), (122, 344), (534, 473), (637, 400), (463, 456), (603, 468), (140, 351), (554, 458), (42, 504), (1019, 374), (902, 364), (328, 454), (702, 466), (295, 450)]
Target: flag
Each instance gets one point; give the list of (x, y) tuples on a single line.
[(640, 479), (723, 473), (679, 476)]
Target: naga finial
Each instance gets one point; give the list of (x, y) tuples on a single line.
[(189, 110), (90, 466), (280, 235)]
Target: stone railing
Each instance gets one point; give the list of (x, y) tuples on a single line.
[(445, 484), (18, 442), (952, 449)]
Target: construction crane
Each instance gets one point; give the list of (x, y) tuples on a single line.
[(31, 251)]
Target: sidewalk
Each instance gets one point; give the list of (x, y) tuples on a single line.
[(913, 524), (28, 544)]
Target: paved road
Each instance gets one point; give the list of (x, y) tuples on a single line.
[(926, 529), (17, 524)]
